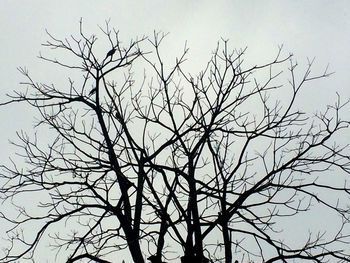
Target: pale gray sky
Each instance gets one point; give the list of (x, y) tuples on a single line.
[(313, 28), (316, 28)]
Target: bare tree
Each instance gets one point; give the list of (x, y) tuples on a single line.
[(166, 165)]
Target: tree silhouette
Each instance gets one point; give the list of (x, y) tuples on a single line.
[(175, 167)]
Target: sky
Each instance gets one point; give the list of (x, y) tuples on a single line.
[(309, 29)]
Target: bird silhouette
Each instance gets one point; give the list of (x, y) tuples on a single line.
[(110, 53), (92, 91)]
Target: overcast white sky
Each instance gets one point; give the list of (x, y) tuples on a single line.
[(313, 28)]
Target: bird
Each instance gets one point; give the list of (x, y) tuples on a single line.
[(92, 91), (110, 53)]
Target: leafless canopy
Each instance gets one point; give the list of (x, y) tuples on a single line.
[(166, 165)]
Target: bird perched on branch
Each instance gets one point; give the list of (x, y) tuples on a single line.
[(92, 91), (110, 53)]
